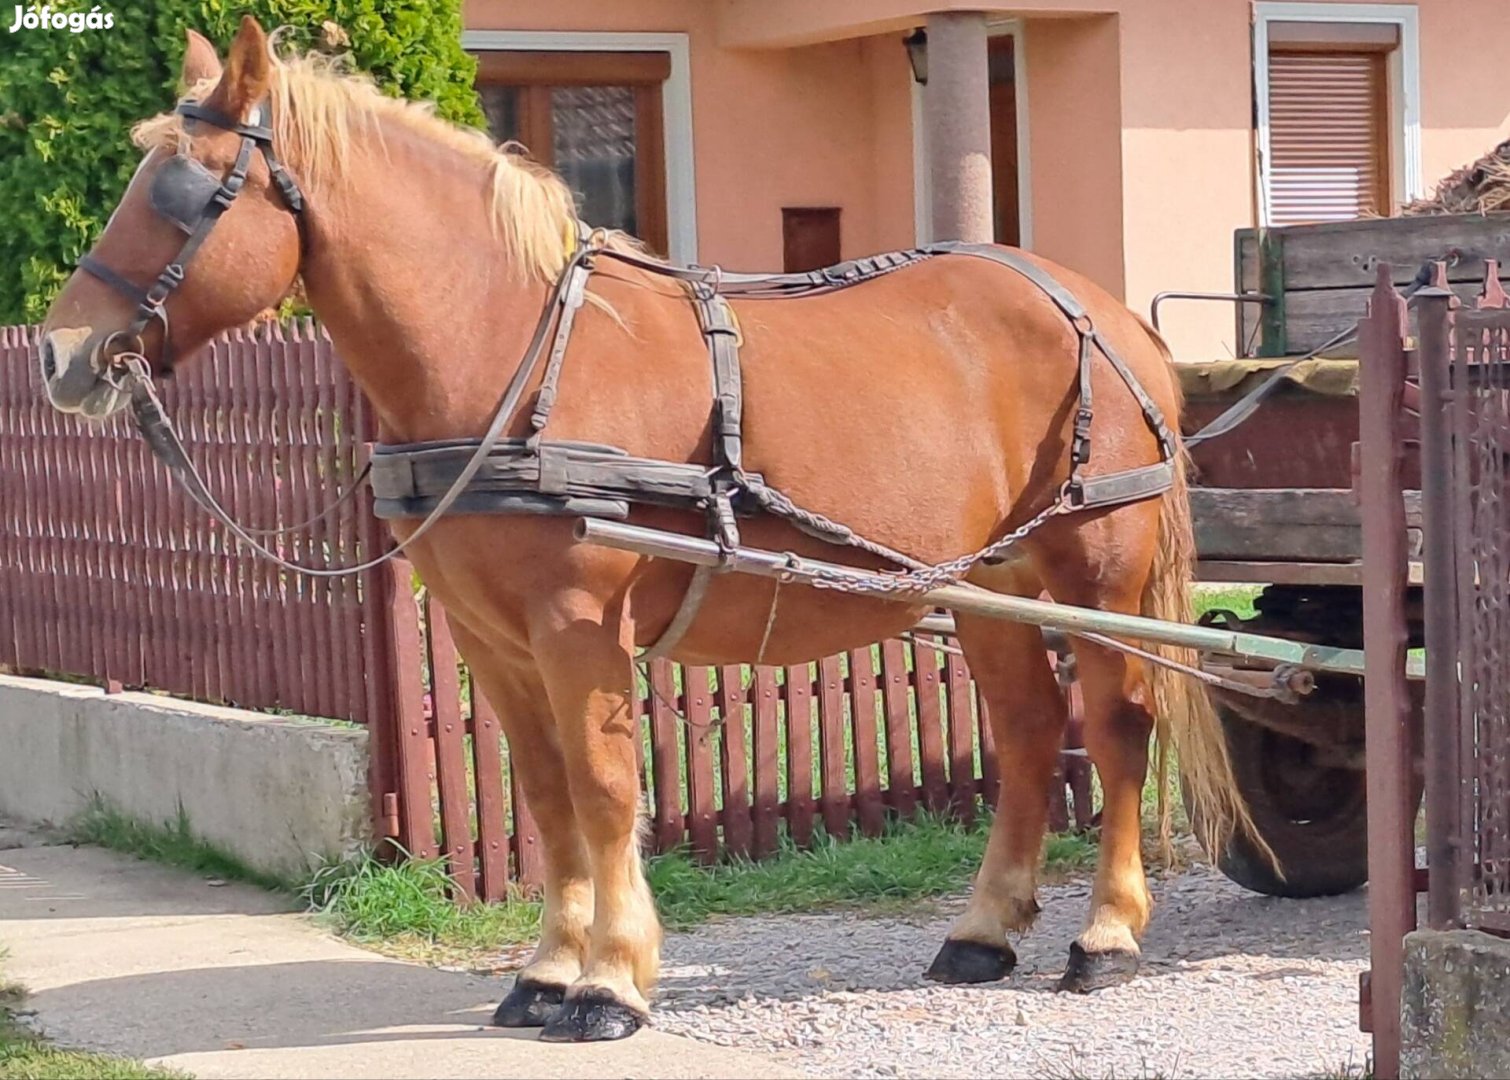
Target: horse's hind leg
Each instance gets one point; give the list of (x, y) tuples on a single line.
[(1105, 564), (519, 699), (1027, 713), (1118, 724), (584, 657)]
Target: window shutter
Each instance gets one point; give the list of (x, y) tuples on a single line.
[(1327, 136)]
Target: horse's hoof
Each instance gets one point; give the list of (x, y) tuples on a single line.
[(971, 962), (529, 1005), (1089, 971), (592, 1016)]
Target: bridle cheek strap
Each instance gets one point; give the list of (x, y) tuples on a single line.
[(173, 189)]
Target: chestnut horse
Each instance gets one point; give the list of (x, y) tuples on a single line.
[(929, 410)]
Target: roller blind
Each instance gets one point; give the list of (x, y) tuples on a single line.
[(1328, 136)]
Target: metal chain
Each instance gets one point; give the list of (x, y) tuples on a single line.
[(815, 524), (923, 578)]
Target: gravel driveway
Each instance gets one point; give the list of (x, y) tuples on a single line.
[(1233, 985)]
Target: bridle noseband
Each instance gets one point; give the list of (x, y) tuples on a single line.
[(187, 194)]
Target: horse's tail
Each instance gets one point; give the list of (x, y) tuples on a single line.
[(1186, 723)]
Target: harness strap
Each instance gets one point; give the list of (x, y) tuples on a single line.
[(720, 328), (686, 614), (130, 290), (573, 295), (1087, 493), (839, 276)]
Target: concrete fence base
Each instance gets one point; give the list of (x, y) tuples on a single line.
[(279, 795), (1456, 1011)]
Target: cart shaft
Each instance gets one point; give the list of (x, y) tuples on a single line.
[(978, 601)]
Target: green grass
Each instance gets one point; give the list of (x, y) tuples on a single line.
[(370, 901), (910, 861), (24, 1056), (172, 843), (1237, 599), (407, 906)]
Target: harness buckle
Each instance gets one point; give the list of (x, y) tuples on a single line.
[(169, 280), (226, 193), (725, 529), (1080, 449)]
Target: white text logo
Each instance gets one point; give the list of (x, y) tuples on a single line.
[(75, 21)]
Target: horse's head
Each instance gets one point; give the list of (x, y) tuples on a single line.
[(205, 238)]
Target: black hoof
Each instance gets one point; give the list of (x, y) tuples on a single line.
[(1089, 971), (529, 1005), (971, 962), (593, 1016)]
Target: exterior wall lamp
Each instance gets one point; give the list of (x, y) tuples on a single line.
[(917, 54)]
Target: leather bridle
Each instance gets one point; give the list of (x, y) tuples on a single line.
[(190, 196), (187, 194)]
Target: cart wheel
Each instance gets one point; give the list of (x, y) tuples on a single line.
[(1312, 814)]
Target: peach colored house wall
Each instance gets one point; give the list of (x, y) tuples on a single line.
[(1140, 121), (1074, 126), (1187, 156), (771, 128)]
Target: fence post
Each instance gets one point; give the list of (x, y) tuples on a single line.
[(1441, 731), (1391, 847)]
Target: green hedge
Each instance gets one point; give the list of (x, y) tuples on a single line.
[(68, 101)]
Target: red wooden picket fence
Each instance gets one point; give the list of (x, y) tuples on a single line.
[(108, 571)]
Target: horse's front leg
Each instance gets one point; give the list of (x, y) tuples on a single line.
[(513, 687), (585, 659)]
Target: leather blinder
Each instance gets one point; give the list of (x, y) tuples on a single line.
[(183, 190)]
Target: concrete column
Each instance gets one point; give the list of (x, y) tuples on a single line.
[(957, 112)]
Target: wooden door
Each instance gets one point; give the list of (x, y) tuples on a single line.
[(1004, 157), (597, 119)]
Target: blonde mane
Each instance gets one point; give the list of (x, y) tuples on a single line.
[(320, 110)]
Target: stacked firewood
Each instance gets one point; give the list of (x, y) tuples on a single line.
[(1480, 188)]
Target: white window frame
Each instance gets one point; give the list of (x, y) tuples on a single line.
[(1404, 86), (922, 182), (676, 96)]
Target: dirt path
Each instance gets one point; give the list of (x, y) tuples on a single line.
[(1234, 984)]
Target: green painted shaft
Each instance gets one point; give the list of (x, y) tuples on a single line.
[(977, 601)]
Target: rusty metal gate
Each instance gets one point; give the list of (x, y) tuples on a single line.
[(1465, 383), (1459, 743)]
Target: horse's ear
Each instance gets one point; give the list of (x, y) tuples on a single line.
[(201, 62), (248, 71)]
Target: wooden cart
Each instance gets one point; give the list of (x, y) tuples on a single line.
[(1275, 506)]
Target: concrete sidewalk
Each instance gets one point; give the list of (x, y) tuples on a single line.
[(130, 958)]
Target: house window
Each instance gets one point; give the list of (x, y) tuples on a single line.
[(597, 119), (809, 238), (1331, 138)]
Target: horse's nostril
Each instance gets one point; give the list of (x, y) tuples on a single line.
[(49, 360)]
